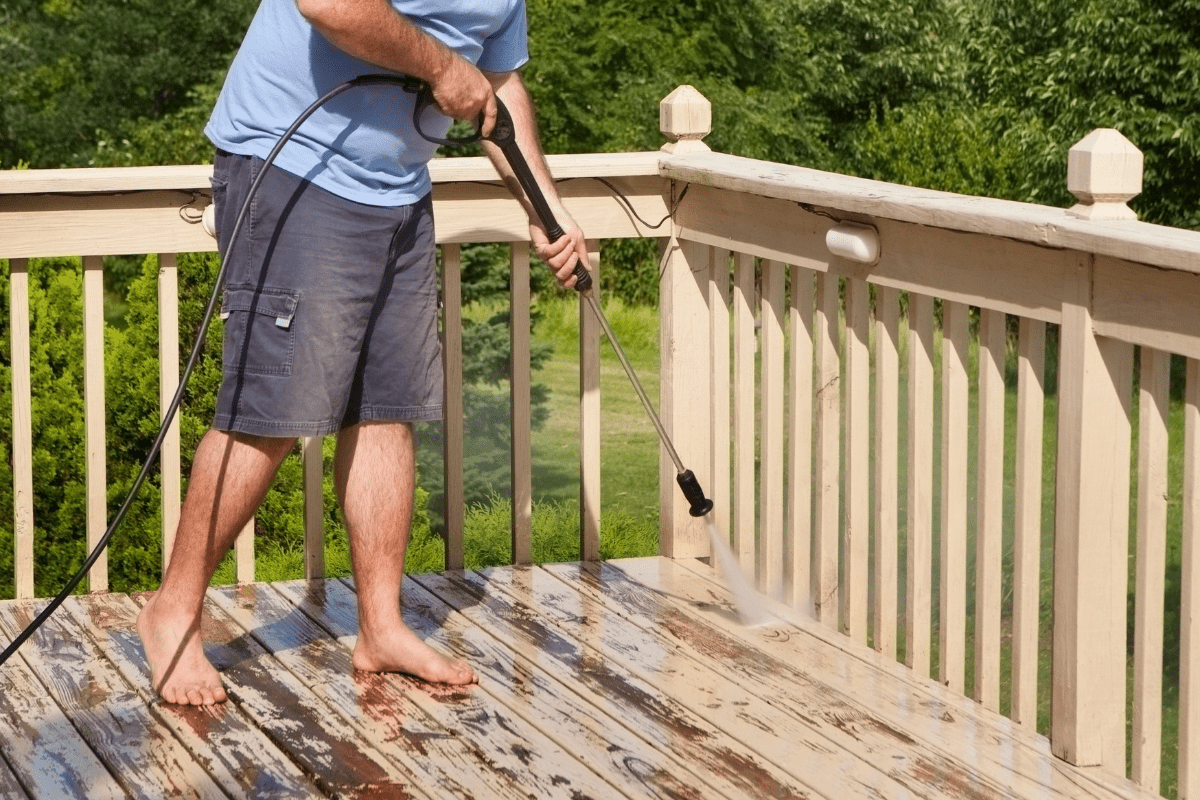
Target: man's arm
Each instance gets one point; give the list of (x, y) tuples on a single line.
[(563, 255), (375, 32)]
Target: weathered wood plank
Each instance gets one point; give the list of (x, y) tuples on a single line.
[(640, 705), (934, 716), (380, 708), (238, 756), (44, 750), (9, 787), (544, 693), (505, 742), (705, 660), (138, 749), (341, 763)]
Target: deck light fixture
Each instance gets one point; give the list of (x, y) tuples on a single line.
[(853, 241)]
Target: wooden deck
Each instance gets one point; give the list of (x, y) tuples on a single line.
[(627, 679)]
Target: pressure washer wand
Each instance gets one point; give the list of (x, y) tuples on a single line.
[(503, 135)]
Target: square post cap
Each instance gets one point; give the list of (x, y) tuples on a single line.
[(685, 117), (1104, 170)]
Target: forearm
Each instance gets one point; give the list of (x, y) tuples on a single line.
[(373, 31)]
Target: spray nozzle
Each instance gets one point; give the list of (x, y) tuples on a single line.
[(701, 505)]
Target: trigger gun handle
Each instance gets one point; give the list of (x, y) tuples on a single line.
[(504, 136)]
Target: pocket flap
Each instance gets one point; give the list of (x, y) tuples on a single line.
[(268, 301)]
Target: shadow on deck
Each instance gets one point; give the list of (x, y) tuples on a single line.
[(627, 679)]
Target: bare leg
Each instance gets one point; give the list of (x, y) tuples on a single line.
[(230, 475), (375, 474)]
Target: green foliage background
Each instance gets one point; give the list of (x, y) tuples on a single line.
[(981, 97)]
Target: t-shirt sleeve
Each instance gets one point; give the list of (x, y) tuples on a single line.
[(508, 48)]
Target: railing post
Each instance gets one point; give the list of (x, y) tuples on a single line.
[(686, 347), (1091, 536)]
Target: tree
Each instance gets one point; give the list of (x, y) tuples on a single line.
[(72, 71), (1054, 70)]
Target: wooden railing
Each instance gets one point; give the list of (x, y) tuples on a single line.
[(868, 446), (95, 213), (851, 419)]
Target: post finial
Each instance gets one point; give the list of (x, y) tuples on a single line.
[(685, 117), (1104, 170)]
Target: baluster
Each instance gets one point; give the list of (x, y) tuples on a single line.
[(952, 627), (828, 438), (1027, 534), (22, 429), (989, 526), (770, 551), (887, 479), (452, 436), (520, 386), (589, 418), (93, 415), (168, 384), (745, 344), (920, 481), (1153, 410)]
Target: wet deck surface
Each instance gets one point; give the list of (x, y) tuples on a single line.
[(627, 679)]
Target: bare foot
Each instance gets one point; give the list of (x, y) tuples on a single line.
[(397, 649), (179, 671)]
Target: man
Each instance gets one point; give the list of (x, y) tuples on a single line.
[(330, 296)]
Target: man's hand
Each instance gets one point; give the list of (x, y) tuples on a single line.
[(375, 32), (463, 92), (561, 256)]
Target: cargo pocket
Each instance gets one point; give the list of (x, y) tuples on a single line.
[(260, 331)]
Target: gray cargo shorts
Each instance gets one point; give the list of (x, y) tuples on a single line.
[(330, 308)]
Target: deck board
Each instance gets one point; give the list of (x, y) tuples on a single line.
[(627, 679)]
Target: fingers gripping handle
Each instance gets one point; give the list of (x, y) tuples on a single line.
[(504, 136)]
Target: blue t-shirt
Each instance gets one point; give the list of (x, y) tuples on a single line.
[(361, 145)]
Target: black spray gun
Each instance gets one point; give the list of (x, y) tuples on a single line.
[(503, 135)]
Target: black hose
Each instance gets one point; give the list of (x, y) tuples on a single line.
[(410, 85)]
